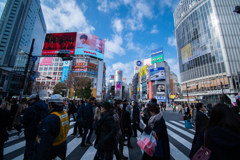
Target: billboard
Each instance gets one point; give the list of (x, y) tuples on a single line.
[(91, 45), (59, 41), (118, 85), (143, 71), (46, 61), (158, 89), (65, 71), (157, 59), (111, 77), (157, 74), (157, 55), (138, 64)]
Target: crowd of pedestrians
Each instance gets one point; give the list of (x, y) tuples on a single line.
[(46, 126)]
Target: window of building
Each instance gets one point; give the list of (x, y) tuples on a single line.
[(44, 73), (55, 68), (59, 73), (54, 73), (53, 83), (50, 68), (55, 64), (61, 64), (45, 68), (49, 73), (60, 68)]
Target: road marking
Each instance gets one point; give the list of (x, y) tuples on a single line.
[(90, 153), (177, 154), (180, 139), (180, 130), (182, 126)]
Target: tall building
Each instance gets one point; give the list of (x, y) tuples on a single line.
[(207, 34), (21, 21)]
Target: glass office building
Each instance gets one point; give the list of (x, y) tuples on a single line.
[(208, 37)]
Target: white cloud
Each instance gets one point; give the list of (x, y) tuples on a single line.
[(117, 25), (173, 63), (172, 41), (126, 2), (106, 5), (164, 4), (127, 68), (114, 47), (154, 30), (65, 15)]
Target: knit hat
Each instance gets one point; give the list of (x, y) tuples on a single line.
[(106, 105), (128, 108)]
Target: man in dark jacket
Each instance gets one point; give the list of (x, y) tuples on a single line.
[(106, 133), (209, 109), (71, 110), (201, 120), (89, 116), (53, 131), (31, 118), (5, 122), (136, 119), (127, 125)]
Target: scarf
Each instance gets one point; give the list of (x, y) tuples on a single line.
[(154, 119)]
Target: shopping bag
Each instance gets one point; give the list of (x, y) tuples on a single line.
[(158, 149), (188, 124), (147, 143)]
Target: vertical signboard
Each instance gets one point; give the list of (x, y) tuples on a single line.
[(65, 71)]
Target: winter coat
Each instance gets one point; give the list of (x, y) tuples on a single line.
[(71, 108), (7, 106), (47, 131), (179, 107), (127, 123), (30, 119), (5, 122), (80, 113), (89, 116), (121, 121), (118, 126), (23, 107), (161, 131), (17, 117), (224, 143), (201, 122), (106, 133), (136, 114)]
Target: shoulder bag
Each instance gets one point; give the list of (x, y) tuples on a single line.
[(203, 153)]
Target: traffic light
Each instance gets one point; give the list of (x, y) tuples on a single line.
[(65, 56), (237, 9)]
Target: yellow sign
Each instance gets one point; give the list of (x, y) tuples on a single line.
[(143, 71), (172, 96), (138, 88), (94, 92)]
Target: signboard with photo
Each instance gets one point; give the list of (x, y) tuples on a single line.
[(157, 74)]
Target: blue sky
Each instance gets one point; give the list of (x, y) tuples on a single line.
[(131, 28)]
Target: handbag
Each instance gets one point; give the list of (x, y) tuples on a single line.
[(158, 149), (147, 143), (203, 152)]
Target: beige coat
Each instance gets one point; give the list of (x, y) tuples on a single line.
[(6, 106), (179, 107)]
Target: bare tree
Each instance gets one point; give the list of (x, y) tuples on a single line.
[(37, 87)]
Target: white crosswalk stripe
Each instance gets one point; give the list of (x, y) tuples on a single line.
[(173, 128)]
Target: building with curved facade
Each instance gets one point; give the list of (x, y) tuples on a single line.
[(208, 37)]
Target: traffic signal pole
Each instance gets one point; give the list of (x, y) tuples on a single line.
[(26, 69)]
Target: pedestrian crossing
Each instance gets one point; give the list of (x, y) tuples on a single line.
[(180, 141)]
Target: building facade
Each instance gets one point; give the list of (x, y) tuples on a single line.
[(21, 21), (207, 34)]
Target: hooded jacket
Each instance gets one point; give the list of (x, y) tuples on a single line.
[(30, 119), (224, 143)]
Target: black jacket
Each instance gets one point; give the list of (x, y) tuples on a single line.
[(5, 121), (106, 133), (30, 119), (136, 114), (127, 123), (71, 108), (161, 131), (146, 116), (224, 144), (48, 130)]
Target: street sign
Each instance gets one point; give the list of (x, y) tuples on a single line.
[(34, 58), (33, 77)]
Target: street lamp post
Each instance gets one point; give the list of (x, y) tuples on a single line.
[(187, 93), (223, 100)]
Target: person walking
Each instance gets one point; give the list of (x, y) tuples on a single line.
[(23, 105), (180, 108), (106, 133), (222, 134), (52, 131), (5, 122), (136, 119), (16, 116), (127, 125), (97, 116), (79, 117), (209, 109), (31, 118), (71, 110), (7, 104), (201, 120), (157, 124), (89, 117)]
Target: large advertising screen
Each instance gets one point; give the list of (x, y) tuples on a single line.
[(158, 89), (65, 71), (196, 48), (91, 45), (157, 74), (59, 41), (118, 85)]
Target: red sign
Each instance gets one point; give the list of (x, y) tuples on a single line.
[(92, 65), (46, 60), (80, 64), (125, 79), (59, 41)]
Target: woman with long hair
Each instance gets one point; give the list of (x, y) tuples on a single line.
[(222, 136)]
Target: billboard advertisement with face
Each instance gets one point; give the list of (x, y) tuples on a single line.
[(157, 74), (59, 41), (159, 89), (91, 45)]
